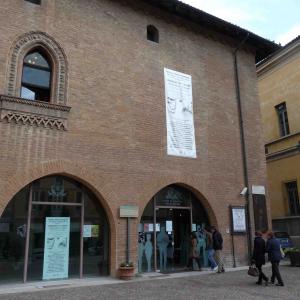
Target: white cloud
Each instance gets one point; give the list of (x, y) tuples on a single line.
[(286, 37)]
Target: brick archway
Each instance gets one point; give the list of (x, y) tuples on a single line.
[(71, 170), (188, 183)]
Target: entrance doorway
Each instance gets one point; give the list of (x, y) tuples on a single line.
[(177, 224), (165, 229)]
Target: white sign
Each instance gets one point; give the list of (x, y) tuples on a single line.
[(238, 219), (194, 227), (169, 226), (179, 114), (157, 227), (151, 227), (56, 250), (258, 190), (87, 231)]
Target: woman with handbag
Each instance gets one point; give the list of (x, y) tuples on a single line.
[(258, 257), (194, 254)]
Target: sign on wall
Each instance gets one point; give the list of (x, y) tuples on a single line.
[(238, 220), (179, 114), (56, 250), (129, 211)]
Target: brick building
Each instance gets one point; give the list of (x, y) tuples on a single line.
[(83, 131)]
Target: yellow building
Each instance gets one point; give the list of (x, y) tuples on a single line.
[(279, 91)]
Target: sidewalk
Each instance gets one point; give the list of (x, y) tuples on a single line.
[(12, 288), (234, 284)]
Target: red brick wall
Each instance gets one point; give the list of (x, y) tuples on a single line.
[(116, 138)]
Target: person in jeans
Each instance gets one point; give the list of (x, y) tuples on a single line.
[(274, 255), (258, 256), (194, 254), (210, 249), (218, 246)]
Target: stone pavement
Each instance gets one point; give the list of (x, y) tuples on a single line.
[(231, 286)]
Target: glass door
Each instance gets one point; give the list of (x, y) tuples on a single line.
[(173, 228), (54, 242)]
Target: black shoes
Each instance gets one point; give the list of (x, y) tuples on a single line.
[(267, 282), (279, 284)]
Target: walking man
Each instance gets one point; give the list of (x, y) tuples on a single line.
[(218, 246), (274, 254)]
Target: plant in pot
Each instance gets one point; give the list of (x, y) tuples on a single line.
[(126, 271), (294, 255)]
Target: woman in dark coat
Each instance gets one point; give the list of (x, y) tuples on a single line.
[(274, 254), (258, 256)]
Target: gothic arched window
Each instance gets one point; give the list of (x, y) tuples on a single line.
[(36, 76)]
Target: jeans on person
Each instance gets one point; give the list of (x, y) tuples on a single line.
[(210, 256)]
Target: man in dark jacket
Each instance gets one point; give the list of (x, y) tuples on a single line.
[(218, 246), (274, 254), (258, 256)]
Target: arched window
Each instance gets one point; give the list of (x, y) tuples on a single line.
[(152, 34), (36, 76)]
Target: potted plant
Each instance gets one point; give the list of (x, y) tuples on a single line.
[(126, 271), (294, 255)]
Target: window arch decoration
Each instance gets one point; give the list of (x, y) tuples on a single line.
[(21, 47)]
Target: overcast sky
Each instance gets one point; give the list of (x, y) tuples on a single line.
[(276, 20)]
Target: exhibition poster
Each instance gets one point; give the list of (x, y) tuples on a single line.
[(179, 114), (238, 219), (56, 251)]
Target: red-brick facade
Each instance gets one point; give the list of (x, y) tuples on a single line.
[(112, 137)]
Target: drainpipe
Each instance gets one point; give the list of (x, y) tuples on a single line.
[(243, 144)]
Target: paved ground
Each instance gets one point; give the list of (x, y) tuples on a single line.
[(231, 286)]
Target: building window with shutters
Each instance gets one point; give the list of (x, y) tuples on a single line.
[(283, 119), (293, 197)]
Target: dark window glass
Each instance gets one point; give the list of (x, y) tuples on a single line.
[(260, 212), (282, 235), (152, 34), (283, 119), (34, 1), (292, 191), (36, 59), (36, 77), (32, 76)]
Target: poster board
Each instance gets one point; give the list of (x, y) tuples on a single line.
[(179, 114), (238, 220), (56, 249)]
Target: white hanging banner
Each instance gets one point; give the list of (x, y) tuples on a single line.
[(179, 114)]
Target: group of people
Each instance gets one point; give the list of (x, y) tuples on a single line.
[(214, 246), (272, 247)]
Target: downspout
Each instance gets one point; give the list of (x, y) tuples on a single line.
[(243, 144)]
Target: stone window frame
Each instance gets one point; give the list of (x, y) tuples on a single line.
[(21, 47)]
